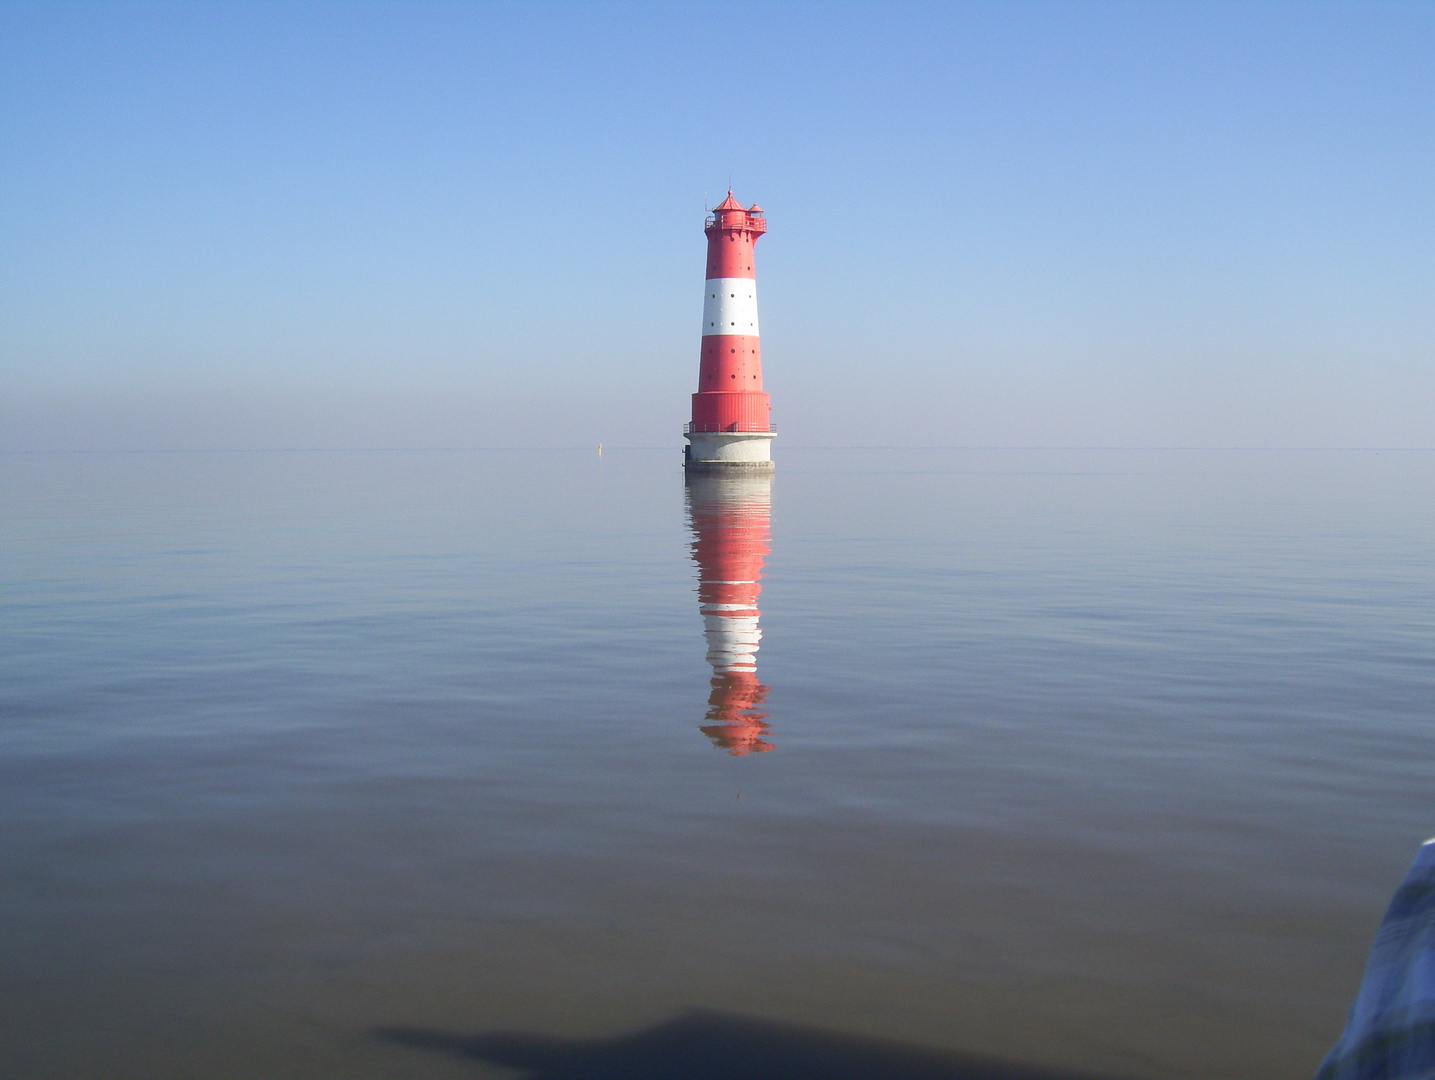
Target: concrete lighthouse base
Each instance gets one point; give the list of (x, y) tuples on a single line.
[(723, 451)]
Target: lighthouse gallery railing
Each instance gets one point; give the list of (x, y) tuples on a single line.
[(707, 429)]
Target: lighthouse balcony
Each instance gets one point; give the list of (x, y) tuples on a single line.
[(765, 429), (753, 223)]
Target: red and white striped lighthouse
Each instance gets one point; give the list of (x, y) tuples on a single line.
[(731, 426)]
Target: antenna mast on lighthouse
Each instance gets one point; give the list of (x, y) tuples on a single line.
[(731, 427)]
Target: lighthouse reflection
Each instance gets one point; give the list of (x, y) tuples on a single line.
[(730, 518)]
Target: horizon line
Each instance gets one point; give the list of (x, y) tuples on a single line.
[(589, 448)]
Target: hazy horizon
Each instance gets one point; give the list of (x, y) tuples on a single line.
[(330, 226)]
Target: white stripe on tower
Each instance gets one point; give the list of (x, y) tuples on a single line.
[(730, 307)]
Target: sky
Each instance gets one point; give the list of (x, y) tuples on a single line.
[(343, 225)]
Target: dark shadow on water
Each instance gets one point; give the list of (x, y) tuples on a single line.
[(702, 1045)]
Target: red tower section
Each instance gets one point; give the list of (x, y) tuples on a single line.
[(730, 396)]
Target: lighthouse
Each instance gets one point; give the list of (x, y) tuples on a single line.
[(729, 513), (731, 428)]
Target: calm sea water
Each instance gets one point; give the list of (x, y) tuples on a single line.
[(428, 764)]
